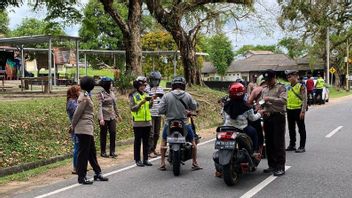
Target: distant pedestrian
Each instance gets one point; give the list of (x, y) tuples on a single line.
[(83, 125), (296, 109), (275, 98), (157, 92), (252, 84), (71, 105), (319, 86), (140, 103), (107, 114), (310, 88)]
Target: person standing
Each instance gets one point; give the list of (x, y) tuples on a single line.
[(157, 93), (319, 86), (296, 109), (252, 84), (275, 98), (310, 88), (83, 125), (140, 108), (107, 114), (71, 105)]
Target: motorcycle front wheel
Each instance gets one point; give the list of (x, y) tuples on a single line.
[(230, 175), (176, 162)]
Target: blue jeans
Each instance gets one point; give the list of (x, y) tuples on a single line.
[(189, 136), (75, 150), (252, 133)]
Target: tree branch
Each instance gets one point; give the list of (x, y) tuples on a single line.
[(115, 16)]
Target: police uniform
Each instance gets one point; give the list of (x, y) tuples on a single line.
[(141, 123), (107, 111), (274, 124), (296, 104)]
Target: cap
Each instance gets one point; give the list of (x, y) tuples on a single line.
[(106, 79), (289, 72), (269, 74)]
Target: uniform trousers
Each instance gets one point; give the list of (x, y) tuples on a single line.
[(86, 152), (292, 119), (141, 134), (111, 126), (274, 128)]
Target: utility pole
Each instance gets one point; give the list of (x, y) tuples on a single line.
[(347, 69), (327, 56)]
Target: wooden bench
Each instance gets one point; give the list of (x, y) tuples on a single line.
[(44, 82)]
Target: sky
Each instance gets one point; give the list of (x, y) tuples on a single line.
[(250, 31)]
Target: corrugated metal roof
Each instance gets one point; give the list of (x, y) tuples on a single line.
[(35, 39)]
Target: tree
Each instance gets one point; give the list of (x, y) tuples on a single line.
[(244, 49), (220, 52), (32, 26), (295, 48), (184, 19), (313, 19), (4, 23)]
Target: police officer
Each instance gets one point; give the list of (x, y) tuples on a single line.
[(83, 125), (140, 104), (274, 97), (107, 114), (296, 109)]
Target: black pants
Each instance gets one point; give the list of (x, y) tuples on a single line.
[(319, 96), (258, 127), (141, 134), (310, 97), (86, 152), (155, 133), (292, 119), (274, 128), (111, 126)]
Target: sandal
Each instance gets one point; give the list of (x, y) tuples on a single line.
[(196, 167), (162, 168)]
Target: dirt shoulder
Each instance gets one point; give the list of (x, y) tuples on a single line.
[(54, 175)]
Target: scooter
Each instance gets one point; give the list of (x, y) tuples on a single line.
[(180, 150), (234, 155)]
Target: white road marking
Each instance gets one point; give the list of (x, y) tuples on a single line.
[(333, 132), (107, 174), (261, 185)]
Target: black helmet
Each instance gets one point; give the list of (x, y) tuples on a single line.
[(178, 82), (87, 83), (154, 78)]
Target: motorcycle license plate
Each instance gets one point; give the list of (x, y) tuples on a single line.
[(224, 145), (176, 140)]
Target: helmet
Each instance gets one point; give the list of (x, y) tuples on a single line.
[(154, 78), (87, 83), (178, 82), (236, 91), (140, 80), (290, 72), (105, 79), (105, 82)]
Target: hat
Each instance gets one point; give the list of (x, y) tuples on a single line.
[(290, 72), (269, 74)]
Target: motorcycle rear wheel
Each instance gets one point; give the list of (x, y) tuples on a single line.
[(230, 176), (176, 162)]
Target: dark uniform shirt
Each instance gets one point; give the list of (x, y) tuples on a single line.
[(277, 98)]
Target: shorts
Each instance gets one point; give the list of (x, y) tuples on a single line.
[(189, 136)]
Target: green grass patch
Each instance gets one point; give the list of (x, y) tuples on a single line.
[(82, 72), (26, 175), (335, 93)]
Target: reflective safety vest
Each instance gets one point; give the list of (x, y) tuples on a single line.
[(293, 94), (143, 113), (320, 83)]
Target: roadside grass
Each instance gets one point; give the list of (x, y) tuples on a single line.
[(335, 93), (26, 175), (90, 72), (37, 129)]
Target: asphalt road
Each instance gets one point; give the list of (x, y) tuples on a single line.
[(323, 171)]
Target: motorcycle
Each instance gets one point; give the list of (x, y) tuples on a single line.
[(234, 155), (180, 150)]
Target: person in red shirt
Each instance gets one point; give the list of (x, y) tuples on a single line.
[(310, 88)]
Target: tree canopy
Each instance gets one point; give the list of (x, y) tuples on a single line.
[(220, 52), (4, 22), (32, 26), (246, 48)]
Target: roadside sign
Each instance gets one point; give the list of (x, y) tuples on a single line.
[(332, 70)]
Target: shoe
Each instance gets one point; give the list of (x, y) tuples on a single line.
[(279, 173), (139, 163), (152, 155), (291, 148), (74, 172), (100, 177), (162, 168), (218, 174), (113, 155), (300, 150), (268, 170), (196, 167), (147, 163), (104, 155), (84, 181)]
